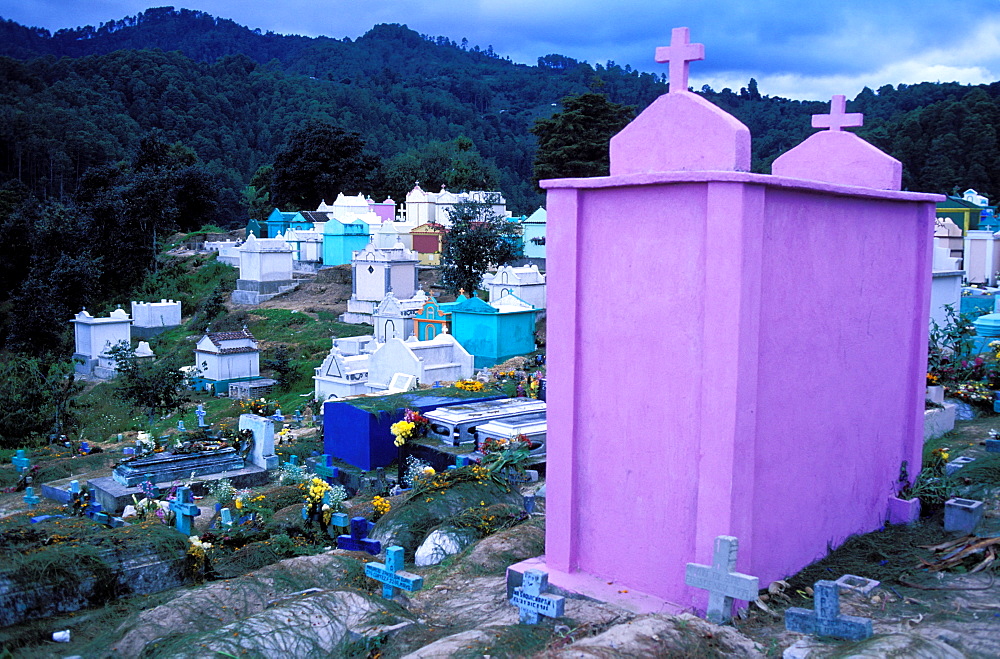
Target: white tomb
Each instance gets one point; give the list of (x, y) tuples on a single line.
[(226, 356), (439, 359), (152, 318), (307, 248), (946, 285), (265, 270), (393, 319), (344, 372), (456, 424), (94, 336), (423, 207), (348, 208), (525, 282), (374, 272)]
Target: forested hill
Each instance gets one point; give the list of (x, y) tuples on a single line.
[(86, 96)]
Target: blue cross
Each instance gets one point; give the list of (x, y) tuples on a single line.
[(30, 497), (200, 413), (531, 600), (93, 509), (183, 505), (324, 468), (21, 461), (826, 619), (391, 574), (359, 540)]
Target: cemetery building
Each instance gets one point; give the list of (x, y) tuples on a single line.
[(948, 235), (374, 272), (279, 222), (423, 207), (525, 282), (428, 239), (307, 249), (343, 237), (533, 230), (966, 211), (225, 357), (432, 319), (775, 399), (152, 318), (981, 254), (393, 319), (946, 285), (344, 372), (494, 332), (93, 337), (265, 270), (441, 359)]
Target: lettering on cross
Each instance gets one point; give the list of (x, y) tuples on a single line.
[(839, 118), (721, 580), (680, 53), (391, 573), (826, 619), (530, 598)]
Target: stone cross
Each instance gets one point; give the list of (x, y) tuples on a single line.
[(200, 413), (183, 505), (358, 540), (21, 461), (180, 426), (721, 580), (531, 599), (324, 469), (680, 53), (30, 497), (93, 510), (391, 573), (839, 118), (826, 619), (226, 518)]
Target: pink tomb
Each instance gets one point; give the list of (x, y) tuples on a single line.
[(771, 394)]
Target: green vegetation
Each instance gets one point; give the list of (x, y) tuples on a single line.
[(478, 239)]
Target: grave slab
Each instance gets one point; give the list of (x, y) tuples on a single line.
[(962, 515)]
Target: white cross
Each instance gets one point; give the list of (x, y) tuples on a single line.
[(721, 580), (680, 53), (839, 118)]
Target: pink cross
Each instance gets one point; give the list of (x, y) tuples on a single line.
[(680, 53), (838, 118)]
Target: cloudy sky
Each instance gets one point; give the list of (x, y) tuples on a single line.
[(805, 50)]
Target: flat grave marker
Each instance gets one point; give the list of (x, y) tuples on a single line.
[(391, 574)]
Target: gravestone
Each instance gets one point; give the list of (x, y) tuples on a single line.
[(226, 518), (531, 599), (358, 540), (186, 510), (324, 469), (21, 461), (262, 452), (962, 515), (826, 619), (200, 413), (391, 573), (30, 497), (265, 270), (721, 580), (736, 329)]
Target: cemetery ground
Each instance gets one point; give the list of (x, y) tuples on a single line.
[(283, 589)]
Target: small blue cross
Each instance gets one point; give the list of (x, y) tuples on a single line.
[(180, 426), (21, 461), (324, 469), (359, 540), (200, 413), (826, 619), (183, 505), (93, 509), (531, 600), (30, 497), (391, 574)]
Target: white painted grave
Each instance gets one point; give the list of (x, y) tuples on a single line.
[(265, 270), (262, 453), (374, 273), (222, 356), (393, 319), (525, 282), (94, 336), (439, 359)]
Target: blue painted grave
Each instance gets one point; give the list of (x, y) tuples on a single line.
[(391, 574), (200, 413), (185, 509), (180, 426), (42, 518), (826, 619), (21, 461), (361, 437), (531, 599), (226, 518), (358, 540), (324, 469), (84, 447), (30, 497)]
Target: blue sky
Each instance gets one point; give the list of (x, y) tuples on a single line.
[(805, 50)]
